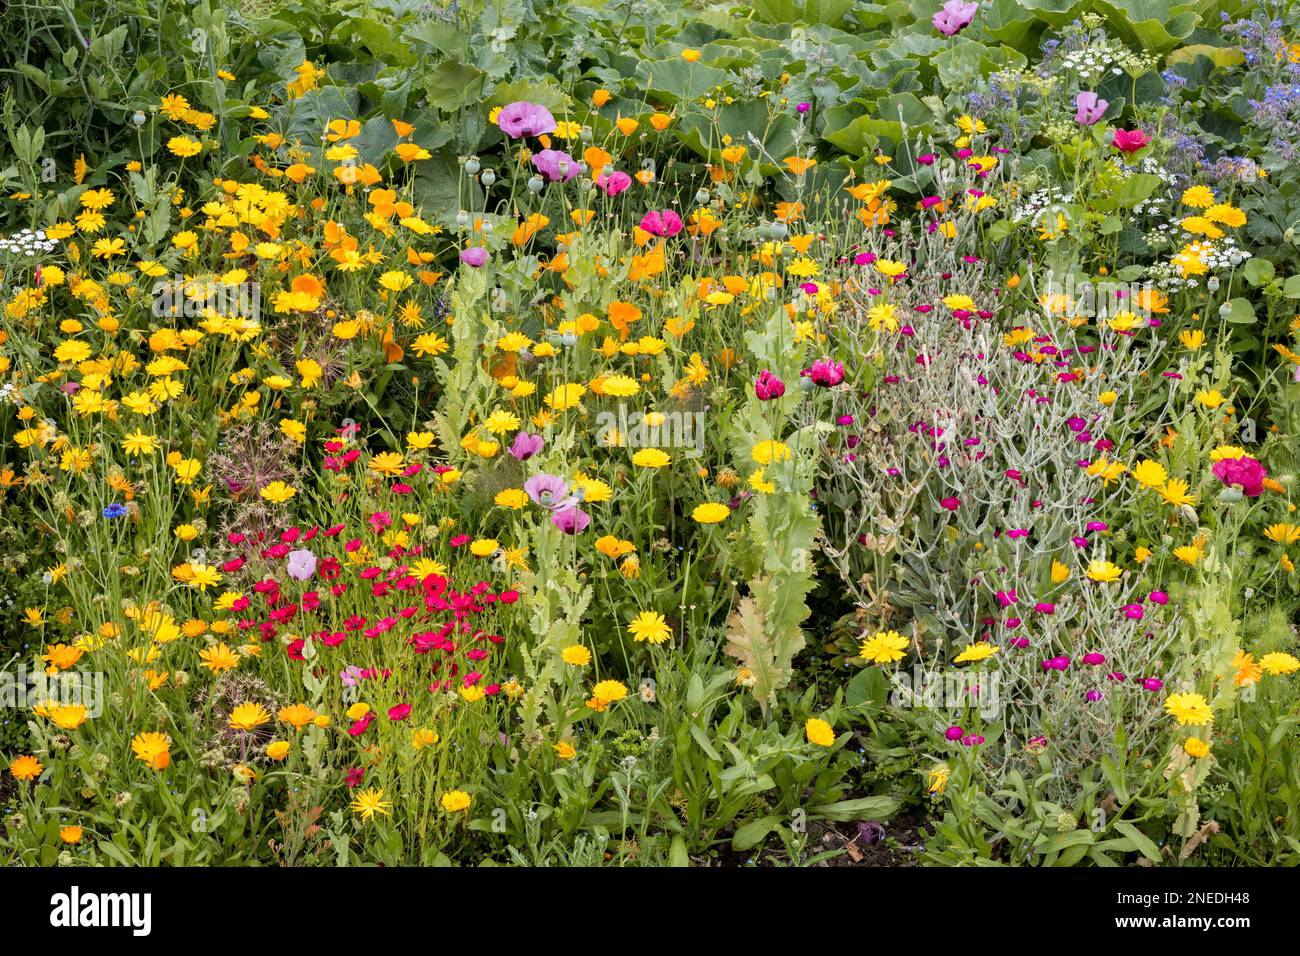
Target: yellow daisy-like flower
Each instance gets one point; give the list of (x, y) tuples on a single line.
[(1149, 474), (819, 732), (248, 716), (710, 513), (651, 458), (26, 768), (1102, 571), (456, 801), (369, 802), (650, 626), (277, 492), (565, 396), (577, 655), (184, 146), (1279, 663), (766, 452), (976, 652), (1189, 709), (884, 647)]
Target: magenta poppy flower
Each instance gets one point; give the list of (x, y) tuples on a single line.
[(955, 16), (825, 372), (522, 118), (1129, 141), (613, 183), (662, 223), (571, 520), (1244, 473), (359, 727), (767, 386), (474, 257), (1088, 109), (555, 164)]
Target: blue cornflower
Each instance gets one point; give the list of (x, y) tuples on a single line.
[(115, 510)]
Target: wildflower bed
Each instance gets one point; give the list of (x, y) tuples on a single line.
[(651, 434)]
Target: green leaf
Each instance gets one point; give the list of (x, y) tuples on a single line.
[(868, 686), (1241, 312), (879, 807), (452, 84), (677, 855), (676, 80), (753, 833), (1140, 840), (1259, 272)]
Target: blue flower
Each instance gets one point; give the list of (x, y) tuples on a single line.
[(115, 510)]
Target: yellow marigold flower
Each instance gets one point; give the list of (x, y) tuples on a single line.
[(1279, 663), (564, 750), (219, 658), (1247, 670), (1189, 709), (515, 498), (277, 492), (819, 732), (455, 801), (939, 775), (1195, 747), (605, 693), (26, 768), (976, 652), (1149, 474), (369, 802), (152, 749), (651, 458), (767, 452), (577, 655), (650, 626), (884, 647), (248, 716), (1102, 571), (277, 750), (710, 513)]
